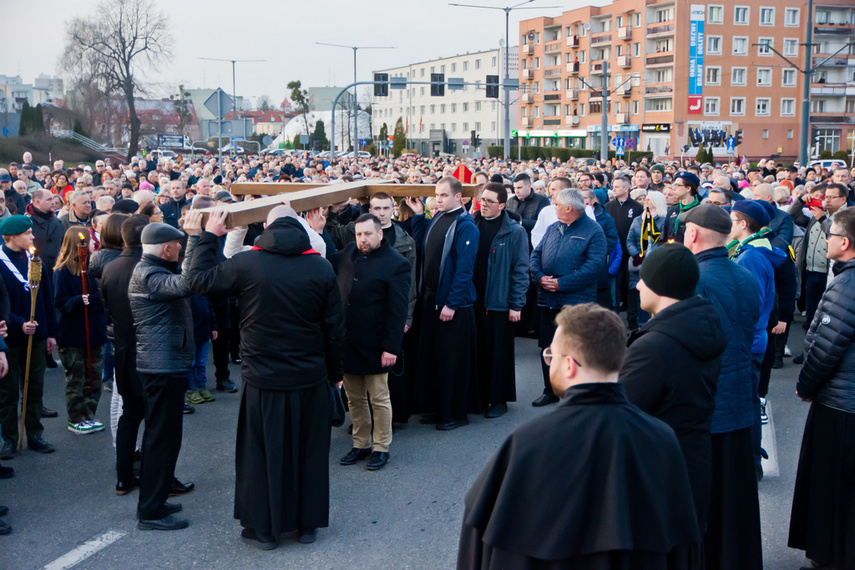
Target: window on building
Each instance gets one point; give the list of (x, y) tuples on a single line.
[(582, 108), (788, 78), (442, 109), (665, 14), (790, 134), (788, 107), (636, 49), (765, 133), (617, 108), (635, 107), (422, 91), (711, 106), (433, 109), (453, 127), (582, 56), (764, 45), (493, 62), (821, 17), (764, 76), (791, 47), (477, 106), (658, 104), (492, 105), (767, 16), (596, 107), (740, 15), (664, 45), (713, 75), (636, 79), (828, 139), (761, 107), (453, 68), (478, 63), (636, 20), (663, 75), (422, 72), (493, 127), (740, 45), (466, 65), (737, 106), (737, 76), (818, 105), (442, 69), (850, 106), (536, 110), (536, 63), (465, 107), (791, 17), (715, 14), (714, 45)]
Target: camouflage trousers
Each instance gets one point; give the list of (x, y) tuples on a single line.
[(81, 396)]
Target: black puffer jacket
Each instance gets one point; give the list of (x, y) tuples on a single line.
[(828, 375), (292, 323), (160, 303)]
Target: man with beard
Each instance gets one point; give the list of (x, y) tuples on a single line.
[(292, 342), (620, 467)]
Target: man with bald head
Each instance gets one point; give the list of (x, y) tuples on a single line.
[(292, 342), (782, 223)]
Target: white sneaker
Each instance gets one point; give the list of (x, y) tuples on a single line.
[(80, 428), (787, 352), (96, 425)]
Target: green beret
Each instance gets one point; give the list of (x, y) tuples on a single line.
[(15, 225), (658, 167)]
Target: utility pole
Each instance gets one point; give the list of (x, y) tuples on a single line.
[(234, 89), (604, 119)]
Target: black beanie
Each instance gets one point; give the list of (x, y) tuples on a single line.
[(671, 270)]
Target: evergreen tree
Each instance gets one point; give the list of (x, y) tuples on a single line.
[(38, 119), (26, 121), (399, 138), (320, 136)]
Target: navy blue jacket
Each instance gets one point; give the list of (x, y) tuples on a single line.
[(761, 258), (573, 253), (19, 302), (204, 321), (607, 223), (734, 292), (172, 211), (69, 302), (507, 267), (456, 288)]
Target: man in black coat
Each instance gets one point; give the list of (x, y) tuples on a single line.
[(623, 211), (47, 230), (673, 361), (620, 467), (375, 282), (292, 341)]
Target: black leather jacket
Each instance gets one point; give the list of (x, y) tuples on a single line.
[(828, 375), (160, 302)]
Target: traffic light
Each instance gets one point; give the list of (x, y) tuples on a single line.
[(472, 138), (437, 84), (738, 137), (493, 86), (477, 141), (381, 85)]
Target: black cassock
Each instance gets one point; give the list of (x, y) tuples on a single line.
[(596, 483)]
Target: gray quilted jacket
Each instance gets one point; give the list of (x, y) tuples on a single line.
[(160, 303)]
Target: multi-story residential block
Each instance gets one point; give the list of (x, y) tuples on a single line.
[(686, 74), (437, 124)]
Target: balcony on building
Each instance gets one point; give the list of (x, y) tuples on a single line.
[(552, 96), (834, 29), (572, 41), (597, 68), (624, 33), (572, 120), (832, 89), (603, 39), (660, 31), (527, 97), (573, 68), (661, 59), (837, 117), (622, 118), (661, 89), (553, 71), (572, 94), (551, 121), (553, 47), (528, 74), (625, 91), (624, 61), (841, 59), (528, 49), (526, 122)]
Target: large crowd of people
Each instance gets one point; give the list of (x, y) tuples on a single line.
[(412, 307)]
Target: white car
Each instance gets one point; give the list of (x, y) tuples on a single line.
[(827, 164)]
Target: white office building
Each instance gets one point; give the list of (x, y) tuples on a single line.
[(444, 124)]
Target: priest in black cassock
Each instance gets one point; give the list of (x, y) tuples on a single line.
[(594, 484), (292, 341)]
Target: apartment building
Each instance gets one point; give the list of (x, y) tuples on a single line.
[(832, 91), (685, 74), (437, 124)]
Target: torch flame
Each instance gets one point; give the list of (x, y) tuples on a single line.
[(32, 250), (81, 236)]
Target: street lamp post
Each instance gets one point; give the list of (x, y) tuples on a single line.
[(355, 106), (507, 11)]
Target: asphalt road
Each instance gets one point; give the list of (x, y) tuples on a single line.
[(64, 509)]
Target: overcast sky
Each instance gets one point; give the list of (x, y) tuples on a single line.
[(280, 32)]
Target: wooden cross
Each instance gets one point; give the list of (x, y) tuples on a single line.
[(307, 196)]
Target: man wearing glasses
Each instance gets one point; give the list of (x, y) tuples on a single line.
[(811, 257), (686, 190), (588, 455), (501, 281), (100, 166)]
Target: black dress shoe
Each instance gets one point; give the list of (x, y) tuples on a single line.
[(229, 387), (355, 454), (257, 539), (378, 460), (40, 445), (496, 410), (453, 424), (8, 450), (4, 527), (6, 473), (800, 359), (307, 535), (545, 400), (179, 488), (123, 488), (429, 419), (4, 510), (172, 508), (778, 363), (48, 413), (166, 523)]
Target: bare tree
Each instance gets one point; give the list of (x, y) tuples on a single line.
[(112, 44)]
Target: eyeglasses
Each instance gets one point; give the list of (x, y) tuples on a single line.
[(548, 356), (829, 235), (488, 201), (827, 197), (675, 184)]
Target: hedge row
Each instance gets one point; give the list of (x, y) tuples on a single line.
[(562, 154)]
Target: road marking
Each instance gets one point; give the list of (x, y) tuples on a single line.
[(85, 550), (770, 466)]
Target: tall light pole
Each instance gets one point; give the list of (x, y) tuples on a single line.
[(234, 88), (355, 106), (507, 11)]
